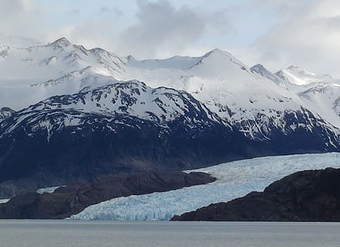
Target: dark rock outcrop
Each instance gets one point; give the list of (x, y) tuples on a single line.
[(5, 112), (304, 196), (72, 199)]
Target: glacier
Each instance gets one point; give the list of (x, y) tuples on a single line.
[(234, 179)]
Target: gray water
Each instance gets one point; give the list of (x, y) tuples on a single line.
[(167, 234)]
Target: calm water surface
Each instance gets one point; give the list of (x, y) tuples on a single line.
[(167, 234)]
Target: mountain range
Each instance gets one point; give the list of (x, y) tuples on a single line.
[(68, 113)]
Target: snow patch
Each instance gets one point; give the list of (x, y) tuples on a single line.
[(2, 201), (49, 189)]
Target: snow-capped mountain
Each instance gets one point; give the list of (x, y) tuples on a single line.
[(317, 93), (38, 72), (89, 111), (324, 98), (250, 98), (128, 126), (132, 99), (254, 100)]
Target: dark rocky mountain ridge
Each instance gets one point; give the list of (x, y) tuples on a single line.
[(312, 195), (72, 199)]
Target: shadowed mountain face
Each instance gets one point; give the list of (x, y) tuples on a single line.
[(113, 129), (69, 200), (127, 127), (304, 196)]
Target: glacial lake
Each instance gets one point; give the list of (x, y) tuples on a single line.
[(168, 234)]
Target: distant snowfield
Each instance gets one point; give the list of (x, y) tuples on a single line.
[(48, 190), (4, 201), (234, 179)]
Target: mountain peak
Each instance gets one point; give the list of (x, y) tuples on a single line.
[(98, 50), (263, 71), (219, 55), (131, 58), (293, 67), (62, 42), (258, 68), (217, 52)]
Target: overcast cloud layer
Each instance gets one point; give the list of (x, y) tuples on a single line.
[(274, 32), (310, 37)]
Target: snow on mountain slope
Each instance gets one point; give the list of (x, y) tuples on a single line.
[(38, 72), (133, 98), (235, 179), (299, 76), (176, 62), (324, 98), (4, 201), (318, 93), (53, 60), (177, 72), (252, 99), (48, 190), (261, 70)]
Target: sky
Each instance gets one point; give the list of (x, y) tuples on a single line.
[(276, 33)]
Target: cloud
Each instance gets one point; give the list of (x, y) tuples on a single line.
[(19, 17), (284, 7), (111, 10), (159, 29), (12, 7), (31, 20), (310, 38), (304, 32)]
